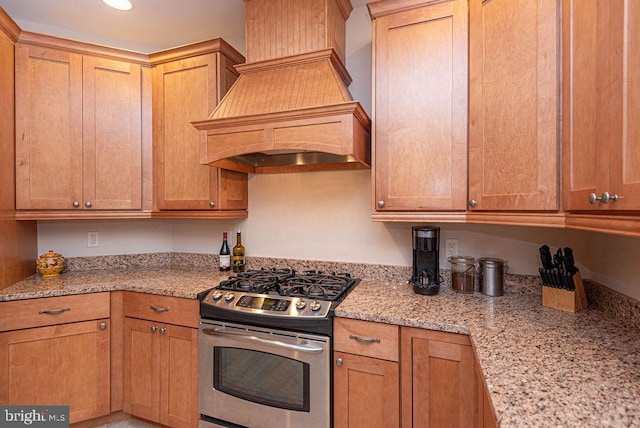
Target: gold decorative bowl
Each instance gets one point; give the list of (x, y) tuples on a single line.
[(50, 264)]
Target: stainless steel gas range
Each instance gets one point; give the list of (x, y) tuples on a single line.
[(265, 348)]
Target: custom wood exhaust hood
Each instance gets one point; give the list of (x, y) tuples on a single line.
[(290, 109)]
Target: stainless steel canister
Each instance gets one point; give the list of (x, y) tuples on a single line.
[(491, 273), (462, 273)]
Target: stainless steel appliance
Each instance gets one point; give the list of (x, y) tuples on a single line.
[(426, 268), (265, 349)]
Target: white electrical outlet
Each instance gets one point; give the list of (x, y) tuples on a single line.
[(451, 247), (93, 239)]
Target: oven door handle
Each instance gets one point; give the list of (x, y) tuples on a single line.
[(277, 343)]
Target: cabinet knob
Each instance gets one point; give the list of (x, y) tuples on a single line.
[(212, 204), (87, 204), (163, 330), (380, 204), (153, 329), (76, 204), (102, 325), (339, 362), (473, 203), (605, 198)]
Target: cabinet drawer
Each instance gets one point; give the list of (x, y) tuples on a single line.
[(171, 310), (366, 338), (30, 313)]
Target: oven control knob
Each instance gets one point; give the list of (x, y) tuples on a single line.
[(301, 304), (216, 295), (229, 297), (315, 306)]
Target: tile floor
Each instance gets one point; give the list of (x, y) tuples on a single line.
[(129, 423)]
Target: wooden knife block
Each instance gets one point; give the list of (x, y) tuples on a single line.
[(565, 300)]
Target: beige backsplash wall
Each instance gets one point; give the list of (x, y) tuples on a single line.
[(327, 216)]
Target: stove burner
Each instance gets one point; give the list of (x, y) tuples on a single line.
[(285, 282)]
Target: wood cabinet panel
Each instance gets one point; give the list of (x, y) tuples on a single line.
[(513, 105), (48, 128), (69, 361), (141, 386), (165, 309), (112, 134), (600, 104), (438, 379), (78, 131), (420, 93), (161, 359), (188, 90), (22, 314), (366, 392), (366, 338)]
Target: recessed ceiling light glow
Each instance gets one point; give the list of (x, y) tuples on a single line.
[(119, 4)]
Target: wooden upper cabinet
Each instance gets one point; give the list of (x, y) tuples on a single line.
[(48, 128), (513, 105), (112, 134), (188, 90), (420, 96), (601, 104), (78, 131)]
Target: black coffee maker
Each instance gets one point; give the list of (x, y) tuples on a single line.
[(426, 252)]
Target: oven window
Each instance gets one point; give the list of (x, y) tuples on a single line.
[(263, 378)]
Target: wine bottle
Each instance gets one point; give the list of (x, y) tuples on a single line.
[(225, 254), (238, 254)]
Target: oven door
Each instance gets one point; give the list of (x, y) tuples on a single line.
[(261, 377)]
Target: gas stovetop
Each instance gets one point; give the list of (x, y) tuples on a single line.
[(280, 298)]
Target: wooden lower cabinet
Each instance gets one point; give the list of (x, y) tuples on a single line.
[(161, 372), (390, 376), (66, 365), (438, 379), (366, 374)]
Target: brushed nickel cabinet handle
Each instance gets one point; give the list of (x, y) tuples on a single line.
[(76, 204), (54, 311), (87, 204), (380, 204), (339, 362), (365, 340), (473, 203), (153, 329), (102, 325), (212, 204), (158, 308), (163, 330)]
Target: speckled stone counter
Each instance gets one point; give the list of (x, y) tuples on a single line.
[(178, 282), (543, 367)]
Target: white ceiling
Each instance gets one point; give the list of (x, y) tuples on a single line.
[(151, 26)]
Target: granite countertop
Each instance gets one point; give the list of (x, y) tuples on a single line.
[(177, 282), (543, 367)]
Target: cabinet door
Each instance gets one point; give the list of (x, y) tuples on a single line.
[(141, 348), (513, 105), (48, 128), (420, 92), (178, 376), (112, 134), (65, 364), (601, 104), (186, 91), (438, 379), (366, 392)]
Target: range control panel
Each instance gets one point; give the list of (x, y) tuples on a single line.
[(269, 305)]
